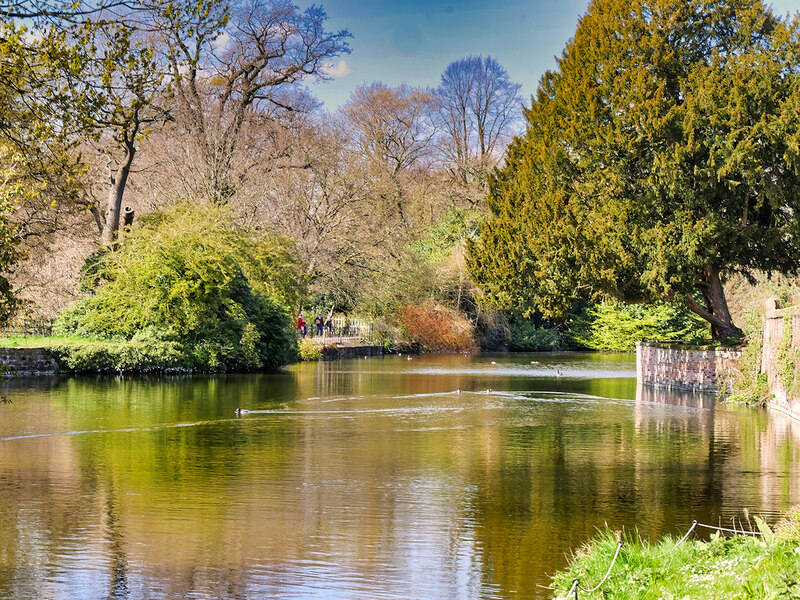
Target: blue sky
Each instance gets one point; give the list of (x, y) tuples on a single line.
[(413, 41)]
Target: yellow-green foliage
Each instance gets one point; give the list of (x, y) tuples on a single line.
[(190, 276), (140, 355), (309, 350), (13, 188), (615, 326), (743, 382), (721, 568)]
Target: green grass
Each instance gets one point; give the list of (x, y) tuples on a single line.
[(46, 342), (720, 568)]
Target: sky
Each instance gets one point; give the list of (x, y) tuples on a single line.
[(412, 41)]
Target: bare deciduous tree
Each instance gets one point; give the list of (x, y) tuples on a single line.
[(479, 108), (237, 66), (130, 88), (392, 126), (392, 129)]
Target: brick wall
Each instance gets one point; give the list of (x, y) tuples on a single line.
[(775, 329), (682, 367)]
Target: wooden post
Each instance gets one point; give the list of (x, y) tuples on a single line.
[(126, 220)]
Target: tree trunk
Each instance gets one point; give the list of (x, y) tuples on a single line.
[(716, 311), (119, 178)]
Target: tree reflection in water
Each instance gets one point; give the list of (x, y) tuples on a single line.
[(364, 478)]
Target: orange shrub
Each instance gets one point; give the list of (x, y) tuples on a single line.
[(437, 328)]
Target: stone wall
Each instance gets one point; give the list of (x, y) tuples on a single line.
[(682, 367), (27, 361), (778, 323), (334, 352)]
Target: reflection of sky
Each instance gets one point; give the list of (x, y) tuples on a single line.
[(534, 365), (413, 41), (603, 375)]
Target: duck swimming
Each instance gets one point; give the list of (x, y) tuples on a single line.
[(242, 411)]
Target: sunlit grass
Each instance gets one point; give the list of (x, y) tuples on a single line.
[(45, 342), (720, 568)]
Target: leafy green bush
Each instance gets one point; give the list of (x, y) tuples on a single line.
[(120, 357), (788, 359), (191, 277), (309, 350), (528, 336), (743, 382), (616, 326)]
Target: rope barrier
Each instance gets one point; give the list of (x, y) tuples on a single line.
[(611, 566), (688, 533), (736, 531), (576, 583)]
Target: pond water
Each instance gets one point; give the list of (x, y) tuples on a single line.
[(435, 477)]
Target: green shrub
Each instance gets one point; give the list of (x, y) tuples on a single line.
[(190, 276), (527, 336), (309, 350), (743, 382), (788, 360), (616, 326), (123, 357)]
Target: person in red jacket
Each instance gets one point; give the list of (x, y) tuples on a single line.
[(301, 325)]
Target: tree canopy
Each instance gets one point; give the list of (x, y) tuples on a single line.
[(660, 156)]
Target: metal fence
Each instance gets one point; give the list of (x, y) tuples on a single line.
[(26, 328), (343, 329)]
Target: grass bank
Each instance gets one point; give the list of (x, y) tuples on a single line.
[(760, 567), (45, 342)]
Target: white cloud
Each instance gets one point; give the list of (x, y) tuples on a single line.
[(222, 42), (338, 71), (33, 36)]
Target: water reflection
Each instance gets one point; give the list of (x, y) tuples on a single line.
[(447, 476)]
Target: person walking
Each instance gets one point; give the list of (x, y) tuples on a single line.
[(319, 324), (301, 325)]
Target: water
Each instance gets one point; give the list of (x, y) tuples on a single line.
[(365, 479)]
